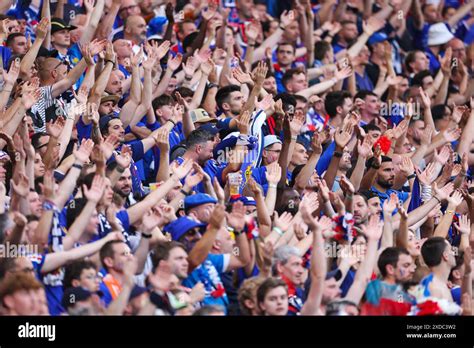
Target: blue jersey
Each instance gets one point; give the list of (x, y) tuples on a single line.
[(208, 273)]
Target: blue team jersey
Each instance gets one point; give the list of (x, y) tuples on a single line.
[(208, 273)]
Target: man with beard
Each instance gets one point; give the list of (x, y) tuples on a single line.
[(135, 30), (384, 182), (124, 188), (387, 296), (416, 128)]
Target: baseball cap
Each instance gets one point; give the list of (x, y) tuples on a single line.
[(210, 128), (377, 38), (104, 122), (181, 226), (73, 295), (58, 24), (336, 274), (439, 34), (270, 140), (197, 200), (201, 116), (155, 27)]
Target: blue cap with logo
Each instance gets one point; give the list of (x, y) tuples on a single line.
[(181, 226)]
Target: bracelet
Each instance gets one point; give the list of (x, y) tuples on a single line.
[(250, 45), (449, 212), (78, 166), (188, 78), (109, 61), (337, 154), (282, 28), (212, 85), (278, 230), (146, 236), (272, 186), (294, 137), (184, 192), (411, 176), (174, 123), (437, 199)]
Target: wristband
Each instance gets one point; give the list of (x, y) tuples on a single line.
[(78, 166), (212, 85), (278, 230), (188, 78), (282, 28), (437, 199), (272, 186), (337, 154), (146, 236), (450, 212), (109, 61), (411, 176), (294, 137), (174, 123), (250, 45)]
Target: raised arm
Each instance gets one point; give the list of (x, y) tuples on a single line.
[(202, 248), (373, 231)]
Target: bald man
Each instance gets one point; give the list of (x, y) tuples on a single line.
[(135, 30), (459, 50)]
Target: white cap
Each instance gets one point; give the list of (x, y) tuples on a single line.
[(439, 34), (270, 140)]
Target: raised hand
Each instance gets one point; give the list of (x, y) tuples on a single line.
[(297, 123), (55, 128), (208, 67), (243, 123), (151, 219), (343, 136), (390, 205), (236, 219), (373, 230), (343, 73), (364, 147), (217, 219), (273, 173), (286, 18), (82, 154), (193, 179), (425, 98), (21, 185), (95, 193), (282, 222), (455, 199), (451, 135), (162, 139), (442, 156), (163, 49), (12, 75), (372, 25), (346, 185), (243, 78), (427, 176), (173, 64), (407, 167), (42, 28), (183, 169), (190, 66), (464, 225), (444, 192), (260, 73)]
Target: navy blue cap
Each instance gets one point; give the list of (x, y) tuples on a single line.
[(377, 38), (198, 199), (180, 226), (243, 199), (75, 294), (104, 122), (210, 128), (336, 274)]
